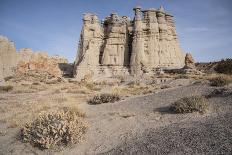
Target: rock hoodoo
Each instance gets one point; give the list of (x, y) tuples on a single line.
[(189, 62), (119, 46)]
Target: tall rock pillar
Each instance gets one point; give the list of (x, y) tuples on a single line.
[(89, 47), (137, 55)]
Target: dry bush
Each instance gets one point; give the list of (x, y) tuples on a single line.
[(224, 66), (165, 87), (220, 81), (8, 78), (220, 92), (35, 83), (6, 88), (104, 98), (190, 104), (50, 130)]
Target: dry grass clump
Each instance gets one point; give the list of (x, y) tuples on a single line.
[(51, 130), (29, 89), (224, 66), (165, 87), (220, 81), (190, 104), (104, 98), (134, 89), (6, 88)]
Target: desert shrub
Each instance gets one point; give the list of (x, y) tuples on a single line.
[(134, 89), (92, 86), (220, 81), (165, 87), (6, 88), (221, 92), (8, 78), (35, 83), (104, 98), (190, 104), (54, 129), (224, 66)]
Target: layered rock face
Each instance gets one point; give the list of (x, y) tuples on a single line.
[(8, 57), (120, 46)]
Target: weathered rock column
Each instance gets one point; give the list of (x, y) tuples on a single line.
[(152, 39), (137, 55), (177, 56), (163, 51), (91, 39), (116, 43)]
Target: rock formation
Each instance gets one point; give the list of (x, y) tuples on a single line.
[(25, 60), (8, 57), (189, 62), (39, 61), (119, 46)]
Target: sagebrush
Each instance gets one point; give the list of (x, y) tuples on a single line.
[(220, 81), (6, 88), (54, 129), (104, 98), (190, 104)]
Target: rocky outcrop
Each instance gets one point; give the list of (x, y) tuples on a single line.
[(120, 46), (26, 60), (189, 62), (39, 61), (8, 57)]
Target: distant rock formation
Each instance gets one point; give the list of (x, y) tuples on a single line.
[(189, 62), (120, 46), (25, 60), (41, 61), (8, 57)]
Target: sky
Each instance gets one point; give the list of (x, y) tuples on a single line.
[(204, 27)]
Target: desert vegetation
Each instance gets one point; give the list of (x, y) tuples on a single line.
[(6, 88), (190, 104), (220, 80), (104, 98), (54, 129)]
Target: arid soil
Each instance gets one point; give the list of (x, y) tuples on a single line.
[(138, 124)]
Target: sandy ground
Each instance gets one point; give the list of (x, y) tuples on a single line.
[(136, 125)]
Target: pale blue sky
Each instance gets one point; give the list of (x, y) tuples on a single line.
[(204, 27)]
